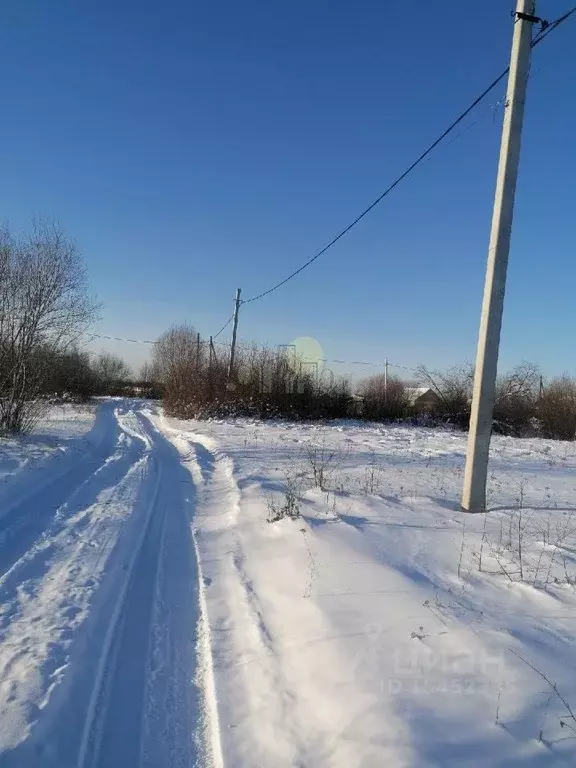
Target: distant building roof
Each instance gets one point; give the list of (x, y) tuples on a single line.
[(415, 393)]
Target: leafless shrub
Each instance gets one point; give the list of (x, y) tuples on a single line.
[(145, 373), (266, 383), (289, 505), (189, 370), (454, 389), (383, 397), (69, 375), (516, 396), (556, 410), (516, 400), (342, 484), (371, 480), (321, 456), (110, 372)]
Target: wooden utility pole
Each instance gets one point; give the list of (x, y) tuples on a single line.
[(474, 494), (234, 330), (385, 380), (210, 379)]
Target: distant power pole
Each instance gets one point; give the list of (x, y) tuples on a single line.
[(234, 330), (474, 494), (210, 358), (385, 380)]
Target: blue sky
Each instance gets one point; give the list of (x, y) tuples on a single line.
[(191, 148)]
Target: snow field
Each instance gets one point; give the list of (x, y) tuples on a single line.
[(380, 626), (151, 614)]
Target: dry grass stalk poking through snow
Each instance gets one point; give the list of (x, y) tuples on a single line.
[(523, 545), (315, 466), (289, 504), (321, 457)]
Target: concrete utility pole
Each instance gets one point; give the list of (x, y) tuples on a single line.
[(234, 330), (474, 494)]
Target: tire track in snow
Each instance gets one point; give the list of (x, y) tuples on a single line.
[(75, 519), (92, 738), (277, 708), (236, 611), (145, 706), (48, 594), (200, 457), (27, 515), (130, 695)]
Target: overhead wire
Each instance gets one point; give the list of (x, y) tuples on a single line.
[(544, 32), (250, 347), (118, 338), (226, 324)]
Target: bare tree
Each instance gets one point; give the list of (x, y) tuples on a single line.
[(145, 374), (70, 375), (44, 309), (186, 370), (110, 372), (454, 388)]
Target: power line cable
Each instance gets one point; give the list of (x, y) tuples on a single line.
[(117, 338), (491, 109), (248, 347), (226, 324), (545, 31), (379, 364)]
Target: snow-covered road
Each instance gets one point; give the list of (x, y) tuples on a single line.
[(99, 605), (152, 617)]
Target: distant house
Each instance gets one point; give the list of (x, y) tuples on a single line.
[(356, 406), (423, 399)]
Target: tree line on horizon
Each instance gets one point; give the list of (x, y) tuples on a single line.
[(269, 383), (46, 308)]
